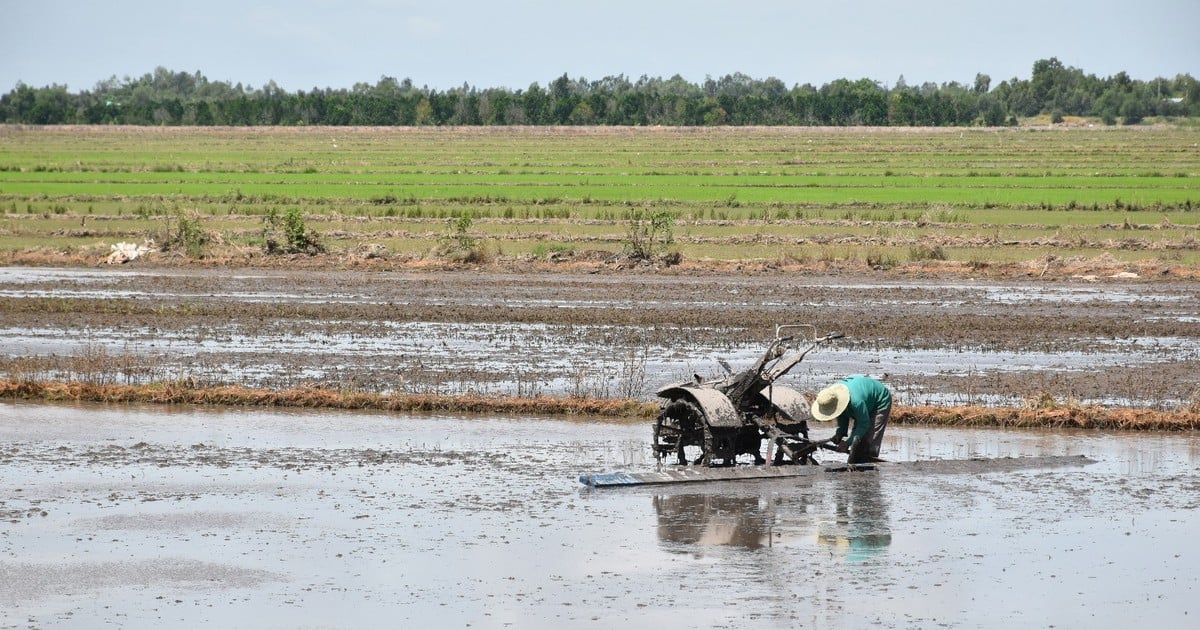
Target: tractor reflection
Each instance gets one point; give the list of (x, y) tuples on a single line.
[(847, 515)]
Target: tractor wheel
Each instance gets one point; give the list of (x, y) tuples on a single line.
[(710, 447), (720, 446), (679, 429)]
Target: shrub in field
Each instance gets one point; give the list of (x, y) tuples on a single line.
[(632, 375), (649, 234), (288, 234), (547, 251), (188, 235), (880, 261), (462, 233), (919, 253), (460, 246), (795, 258)]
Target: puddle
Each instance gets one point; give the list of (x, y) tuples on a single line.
[(150, 516)]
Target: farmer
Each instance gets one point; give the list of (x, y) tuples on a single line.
[(864, 400)]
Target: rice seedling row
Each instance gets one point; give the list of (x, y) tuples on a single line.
[(889, 188)]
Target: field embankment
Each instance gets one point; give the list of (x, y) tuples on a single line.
[(1052, 416)]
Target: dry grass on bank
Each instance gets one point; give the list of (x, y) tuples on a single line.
[(1054, 417), (313, 397), (1047, 417)]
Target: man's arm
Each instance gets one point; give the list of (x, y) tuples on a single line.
[(843, 426)]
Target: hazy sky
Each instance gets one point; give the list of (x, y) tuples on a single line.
[(302, 44)]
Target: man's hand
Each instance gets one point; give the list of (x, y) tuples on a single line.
[(840, 444)]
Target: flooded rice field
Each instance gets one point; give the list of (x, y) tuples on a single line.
[(150, 516), (1108, 340), (140, 517)]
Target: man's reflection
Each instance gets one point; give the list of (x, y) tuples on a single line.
[(859, 526)]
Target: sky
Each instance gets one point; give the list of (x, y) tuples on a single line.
[(441, 44)]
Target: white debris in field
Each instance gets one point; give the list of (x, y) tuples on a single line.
[(124, 252), (1091, 277)]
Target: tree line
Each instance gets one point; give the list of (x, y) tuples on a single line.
[(165, 97)]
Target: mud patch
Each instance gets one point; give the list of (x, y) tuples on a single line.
[(33, 582)]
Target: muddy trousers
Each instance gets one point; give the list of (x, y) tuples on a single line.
[(866, 449)]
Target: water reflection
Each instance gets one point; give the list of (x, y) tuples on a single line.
[(859, 529), (846, 515), (712, 519)]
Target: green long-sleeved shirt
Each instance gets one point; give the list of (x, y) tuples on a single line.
[(867, 396)]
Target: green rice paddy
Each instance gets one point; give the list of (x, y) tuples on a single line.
[(734, 193)]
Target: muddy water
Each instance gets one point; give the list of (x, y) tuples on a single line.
[(1119, 342), (144, 516)]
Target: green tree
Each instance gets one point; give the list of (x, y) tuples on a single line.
[(167, 97), (424, 112), (982, 83), (1108, 105), (903, 106), (20, 103), (993, 113), (1132, 112), (536, 103), (1047, 81), (203, 113), (582, 114), (51, 106), (563, 100)]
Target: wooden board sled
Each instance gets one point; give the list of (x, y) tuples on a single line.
[(697, 474)]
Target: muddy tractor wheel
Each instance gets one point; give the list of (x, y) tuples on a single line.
[(711, 443), (723, 445), (679, 430)]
